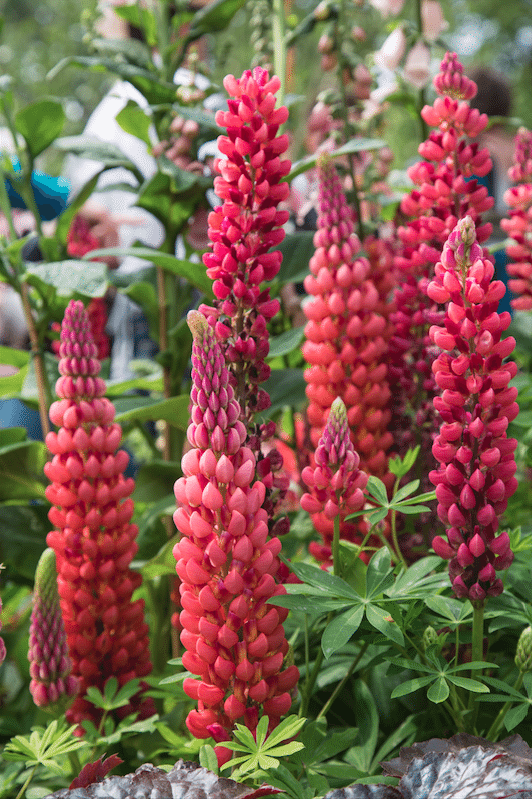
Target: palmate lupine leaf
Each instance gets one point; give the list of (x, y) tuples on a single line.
[(44, 746)]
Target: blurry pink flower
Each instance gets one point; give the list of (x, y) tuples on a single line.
[(433, 21), (392, 50), (387, 7), (417, 65)]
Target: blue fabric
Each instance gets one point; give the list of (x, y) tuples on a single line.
[(51, 194), (13, 413)]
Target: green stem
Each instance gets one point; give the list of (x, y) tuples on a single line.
[(477, 642), (43, 385), (336, 546), (493, 732), (30, 777), (5, 207), (279, 48), (343, 681)]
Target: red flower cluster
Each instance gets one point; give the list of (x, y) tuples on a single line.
[(519, 224), (336, 483), (234, 640), (444, 192), (246, 226), (94, 541), (477, 465), (50, 666)]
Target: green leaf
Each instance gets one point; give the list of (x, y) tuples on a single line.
[(367, 719), (13, 357), (406, 663), (286, 342), (438, 691), (40, 123), (297, 249), (516, 715), (470, 685), (377, 489), (313, 605), (173, 410), (340, 630), (409, 686), (213, 17), (288, 728), (286, 388), (141, 18), (379, 618), (409, 581), (70, 277), (379, 575), (325, 581), (207, 758), (144, 295), (23, 530), (21, 466), (400, 467), (405, 491)]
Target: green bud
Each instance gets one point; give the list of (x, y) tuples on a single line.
[(430, 636), (523, 654)]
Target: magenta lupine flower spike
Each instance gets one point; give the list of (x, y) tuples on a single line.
[(246, 226), (336, 483), (227, 564), (52, 684), (519, 225), (451, 81), (94, 541), (477, 466)]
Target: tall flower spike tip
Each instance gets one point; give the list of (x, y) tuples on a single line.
[(94, 540), (336, 483), (477, 466), (51, 683), (234, 640), (519, 224), (245, 228)]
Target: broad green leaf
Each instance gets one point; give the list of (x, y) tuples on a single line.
[(132, 50), (14, 357), (286, 342), (405, 491), (438, 691), (447, 607), (474, 665), (379, 574), (21, 466), (515, 715), (23, 531), (145, 296), (162, 563), (142, 18), (70, 277), (297, 249), (340, 630), (406, 663), (208, 759), (470, 685), (40, 123), (377, 489), (412, 508), (286, 387), (380, 619), (155, 480), (312, 605), (173, 410), (409, 580), (213, 17), (325, 581), (400, 467), (367, 720), (288, 728)]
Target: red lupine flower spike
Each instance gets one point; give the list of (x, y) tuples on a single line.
[(51, 683), (336, 483), (477, 465), (519, 224), (94, 540), (227, 564), (451, 81)]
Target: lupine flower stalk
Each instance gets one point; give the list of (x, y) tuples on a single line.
[(243, 230), (345, 341), (445, 191), (94, 540), (234, 640), (52, 684), (519, 224), (336, 483), (475, 477)]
